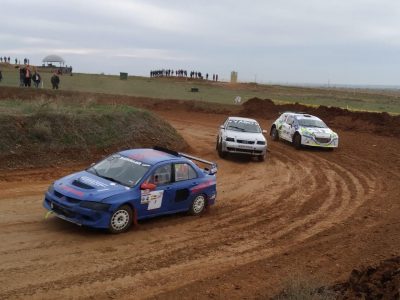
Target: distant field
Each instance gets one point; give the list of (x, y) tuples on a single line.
[(172, 88)]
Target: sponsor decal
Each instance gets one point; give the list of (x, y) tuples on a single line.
[(131, 160), (71, 190), (243, 122), (91, 181), (152, 198), (202, 186), (149, 154)]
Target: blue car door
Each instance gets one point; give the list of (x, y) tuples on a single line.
[(156, 202), (185, 178)]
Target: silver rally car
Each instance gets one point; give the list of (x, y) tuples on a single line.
[(241, 135), (302, 129)]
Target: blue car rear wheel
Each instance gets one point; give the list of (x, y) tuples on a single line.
[(198, 205)]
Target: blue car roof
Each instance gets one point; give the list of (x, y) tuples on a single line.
[(149, 156)]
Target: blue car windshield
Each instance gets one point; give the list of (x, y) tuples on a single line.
[(120, 169), (312, 123), (243, 126)]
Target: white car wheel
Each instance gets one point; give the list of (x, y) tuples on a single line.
[(274, 134)]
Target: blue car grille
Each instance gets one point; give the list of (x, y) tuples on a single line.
[(58, 195), (68, 199), (72, 200), (62, 211)]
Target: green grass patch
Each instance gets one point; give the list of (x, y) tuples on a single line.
[(378, 100), (47, 127)]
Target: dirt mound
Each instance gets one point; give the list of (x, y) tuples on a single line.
[(260, 108), (380, 123), (379, 282), (40, 133)]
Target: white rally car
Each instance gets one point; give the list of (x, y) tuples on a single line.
[(302, 129), (241, 135)]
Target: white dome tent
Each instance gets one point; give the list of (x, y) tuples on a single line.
[(53, 59)]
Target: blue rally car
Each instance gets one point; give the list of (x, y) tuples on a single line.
[(132, 185)]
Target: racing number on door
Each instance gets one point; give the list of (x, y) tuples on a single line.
[(162, 179)]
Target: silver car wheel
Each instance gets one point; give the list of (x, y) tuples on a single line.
[(198, 204), (119, 220)]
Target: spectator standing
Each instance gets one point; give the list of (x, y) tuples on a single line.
[(55, 81), (28, 76), (1, 76), (22, 72), (36, 78)]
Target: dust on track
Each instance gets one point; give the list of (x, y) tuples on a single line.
[(320, 213)]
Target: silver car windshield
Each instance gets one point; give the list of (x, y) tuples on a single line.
[(243, 126), (120, 169), (312, 123)]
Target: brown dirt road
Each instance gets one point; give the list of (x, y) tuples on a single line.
[(311, 213)]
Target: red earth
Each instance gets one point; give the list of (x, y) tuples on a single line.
[(310, 213)]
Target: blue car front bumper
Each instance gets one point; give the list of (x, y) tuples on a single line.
[(74, 213)]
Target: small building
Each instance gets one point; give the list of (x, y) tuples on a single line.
[(234, 76)]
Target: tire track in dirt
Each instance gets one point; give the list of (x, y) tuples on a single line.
[(264, 209)]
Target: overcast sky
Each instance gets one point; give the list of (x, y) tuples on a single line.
[(286, 41)]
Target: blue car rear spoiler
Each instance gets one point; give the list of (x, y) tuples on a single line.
[(211, 170), (213, 166)]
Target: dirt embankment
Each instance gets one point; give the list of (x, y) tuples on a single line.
[(372, 282), (379, 123), (41, 133)]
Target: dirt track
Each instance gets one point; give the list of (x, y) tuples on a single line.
[(311, 213)]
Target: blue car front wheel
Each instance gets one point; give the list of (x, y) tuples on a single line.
[(121, 219)]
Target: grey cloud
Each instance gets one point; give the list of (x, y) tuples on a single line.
[(288, 40)]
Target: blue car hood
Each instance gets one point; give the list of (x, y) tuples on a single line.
[(87, 186)]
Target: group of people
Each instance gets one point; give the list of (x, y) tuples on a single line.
[(6, 59), (180, 73), (27, 76)]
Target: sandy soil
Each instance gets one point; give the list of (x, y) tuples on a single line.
[(312, 214)]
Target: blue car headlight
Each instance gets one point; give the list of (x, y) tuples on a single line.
[(95, 205), (50, 190)]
